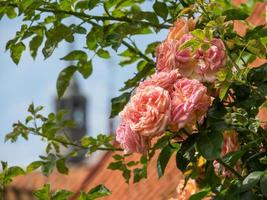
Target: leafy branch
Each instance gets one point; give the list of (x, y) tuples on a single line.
[(90, 17)]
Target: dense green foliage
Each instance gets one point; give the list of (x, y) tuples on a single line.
[(113, 30)]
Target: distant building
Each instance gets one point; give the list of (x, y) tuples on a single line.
[(76, 103), (85, 177)]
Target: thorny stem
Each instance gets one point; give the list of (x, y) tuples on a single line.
[(77, 145), (70, 143), (89, 17)]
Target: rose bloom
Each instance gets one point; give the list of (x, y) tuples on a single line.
[(148, 111), (186, 191), (180, 28), (161, 79), (190, 102), (129, 140), (211, 61), (165, 55), (230, 144), (262, 117), (169, 56)]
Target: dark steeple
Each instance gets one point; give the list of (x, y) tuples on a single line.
[(76, 103)]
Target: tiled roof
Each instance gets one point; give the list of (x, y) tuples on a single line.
[(87, 177), (150, 188), (83, 178)]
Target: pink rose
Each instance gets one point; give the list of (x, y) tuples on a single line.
[(190, 102), (185, 191), (129, 140), (165, 55), (230, 144), (169, 56), (211, 61), (180, 28), (148, 111), (161, 79)]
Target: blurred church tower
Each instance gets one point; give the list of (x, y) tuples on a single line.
[(76, 103)]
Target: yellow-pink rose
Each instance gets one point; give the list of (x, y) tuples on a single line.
[(148, 111), (180, 28)]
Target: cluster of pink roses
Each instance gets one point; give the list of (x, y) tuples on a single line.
[(200, 64), (174, 96)]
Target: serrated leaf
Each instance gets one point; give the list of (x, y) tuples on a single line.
[(209, 145), (161, 9), (61, 166), (251, 180), (199, 34), (164, 158), (35, 43), (11, 13), (34, 165), (199, 195), (64, 78), (85, 68), (92, 4), (118, 103), (15, 171), (103, 53), (235, 14), (61, 195), (75, 55), (16, 52), (136, 79), (97, 192), (43, 193)]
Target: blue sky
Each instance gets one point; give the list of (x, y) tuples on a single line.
[(35, 81)]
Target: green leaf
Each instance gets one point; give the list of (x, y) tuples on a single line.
[(16, 52), (257, 32), (161, 9), (64, 78), (258, 75), (62, 195), (34, 165), (43, 193), (47, 167), (232, 157), (97, 192), (92, 4), (235, 14), (136, 79), (251, 180), (199, 34), (164, 158), (199, 195), (224, 89), (85, 68), (91, 40), (11, 13), (118, 103), (61, 166), (15, 171), (257, 48), (209, 145), (139, 174), (103, 53), (193, 43), (151, 47), (263, 185), (49, 48), (75, 55), (35, 43)]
